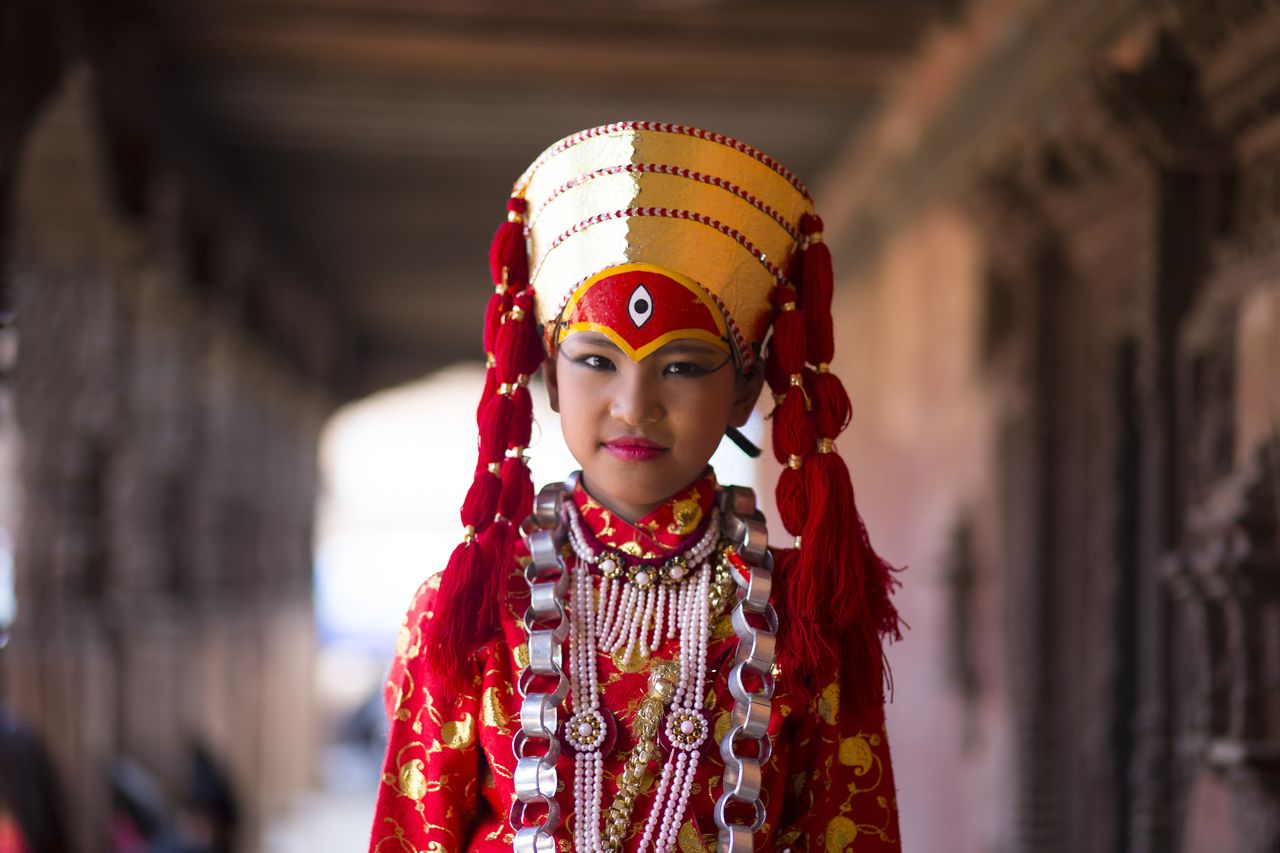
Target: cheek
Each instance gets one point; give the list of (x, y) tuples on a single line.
[(577, 410)]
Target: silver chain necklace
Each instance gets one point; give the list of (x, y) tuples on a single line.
[(543, 684)]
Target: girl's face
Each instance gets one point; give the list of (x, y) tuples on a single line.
[(642, 431)]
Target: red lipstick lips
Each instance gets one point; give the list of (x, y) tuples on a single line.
[(634, 448)]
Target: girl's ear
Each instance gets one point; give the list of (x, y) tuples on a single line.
[(746, 391), (553, 387)]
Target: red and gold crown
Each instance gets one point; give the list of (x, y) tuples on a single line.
[(650, 205), (648, 232)]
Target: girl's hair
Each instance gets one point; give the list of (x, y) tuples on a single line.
[(834, 588)]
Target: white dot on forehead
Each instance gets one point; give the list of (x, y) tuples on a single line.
[(640, 305)]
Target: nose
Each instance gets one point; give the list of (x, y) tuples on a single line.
[(636, 399)]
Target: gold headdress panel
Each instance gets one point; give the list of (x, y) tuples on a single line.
[(692, 206)]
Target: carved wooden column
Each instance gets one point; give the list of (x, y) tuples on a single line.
[(1227, 582)]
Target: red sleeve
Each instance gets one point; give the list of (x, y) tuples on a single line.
[(427, 797), (840, 793)]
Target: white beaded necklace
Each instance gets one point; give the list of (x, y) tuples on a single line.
[(628, 613)]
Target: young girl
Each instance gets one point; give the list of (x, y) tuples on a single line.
[(623, 663)]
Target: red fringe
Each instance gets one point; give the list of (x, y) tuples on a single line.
[(467, 608)]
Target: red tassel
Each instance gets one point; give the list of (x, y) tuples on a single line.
[(817, 288), (788, 346), (508, 261), (792, 502), (774, 374), (829, 403), (521, 429), (482, 500), (517, 351), (517, 491), (803, 647), (836, 587), (495, 416), (498, 305), (472, 589), (473, 586), (792, 432), (840, 580)]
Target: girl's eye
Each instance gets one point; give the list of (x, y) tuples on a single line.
[(685, 368), (594, 362)]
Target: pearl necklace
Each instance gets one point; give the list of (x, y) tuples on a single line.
[(637, 598), (628, 610)]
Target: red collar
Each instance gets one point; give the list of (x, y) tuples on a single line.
[(662, 529)]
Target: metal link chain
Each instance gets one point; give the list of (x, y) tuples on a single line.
[(742, 781), (536, 744)]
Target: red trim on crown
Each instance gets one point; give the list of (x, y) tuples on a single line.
[(678, 171), (660, 127), (669, 213)]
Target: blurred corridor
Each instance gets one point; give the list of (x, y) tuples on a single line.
[(242, 274)]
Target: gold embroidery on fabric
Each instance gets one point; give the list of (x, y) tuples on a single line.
[(689, 839), (521, 655), (491, 712), (413, 782), (829, 703), (402, 712), (635, 663), (686, 513), (631, 548), (460, 733), (856, 752), (723, 722), (840, 834)]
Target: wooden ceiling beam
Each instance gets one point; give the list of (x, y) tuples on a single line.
[(607, 57)]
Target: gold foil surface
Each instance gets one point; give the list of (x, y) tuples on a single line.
[(578, 226)]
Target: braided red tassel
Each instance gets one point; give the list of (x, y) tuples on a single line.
[(473, 586), (837, 587)]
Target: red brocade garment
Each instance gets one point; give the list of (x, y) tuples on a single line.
[(447, 778)]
